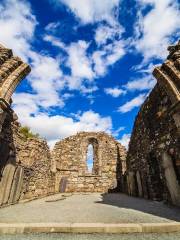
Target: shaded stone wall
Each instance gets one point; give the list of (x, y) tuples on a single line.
[(70, 163), (153, 159), (34, 156), (25, 165)]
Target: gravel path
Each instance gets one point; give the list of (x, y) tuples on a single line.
[(103, 208), (172, 236)]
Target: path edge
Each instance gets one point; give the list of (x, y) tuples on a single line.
[(23, 228)]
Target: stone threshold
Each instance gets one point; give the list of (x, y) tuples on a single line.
[(22, 228)]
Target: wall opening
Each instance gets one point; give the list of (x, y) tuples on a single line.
[(90, 158)]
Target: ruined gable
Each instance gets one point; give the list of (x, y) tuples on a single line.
[(70, 163)]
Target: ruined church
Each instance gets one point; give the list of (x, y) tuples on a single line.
[(149, 169)]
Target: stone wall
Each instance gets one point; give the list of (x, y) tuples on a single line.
[(25, 165), (70, 163), (34, 156), (153, 159)]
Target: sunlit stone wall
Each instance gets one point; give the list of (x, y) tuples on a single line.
[(70, 163)]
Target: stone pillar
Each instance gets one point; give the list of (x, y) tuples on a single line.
[(139, 184), (16, 185), (6, 183), (176, 115), (131, 184), (171, 179), (3, 111)]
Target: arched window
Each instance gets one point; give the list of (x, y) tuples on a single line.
[(90, 158)]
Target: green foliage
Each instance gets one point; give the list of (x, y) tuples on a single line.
[(26, 132)]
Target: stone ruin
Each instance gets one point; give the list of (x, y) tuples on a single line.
[(151, 169), (153, 159), (70, 163), (29, 170), (24, 164)]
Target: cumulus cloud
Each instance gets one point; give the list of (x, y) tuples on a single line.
[(110, 47), (78, 60), (135, 102), (115, 92), (57, 127), (104, 33), (91, 11), (144, 83), (155, 29), (86, 66), (17, 24), (125, 140), (47, 80), (107, 56)]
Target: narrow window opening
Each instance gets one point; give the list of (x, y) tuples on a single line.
[(90, 158)]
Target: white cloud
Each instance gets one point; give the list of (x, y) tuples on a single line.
[(135, 102), (17, 25), (125, 140), (117, 131), (115, 92), (114, 52), (155, 29), (56, 127), (25, 103), (145, 83), (91, 11), (52, 27), (47, 80), (106, 32), (78, 60), (84, 66), (107, 56), (54, 41)]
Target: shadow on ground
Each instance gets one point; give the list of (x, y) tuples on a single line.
[(146, 206)]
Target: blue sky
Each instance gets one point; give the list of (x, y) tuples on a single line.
[(91, 61)]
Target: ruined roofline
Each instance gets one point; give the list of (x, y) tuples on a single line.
[(89, 133), (12, 71), (168, 77), (168, 74)]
